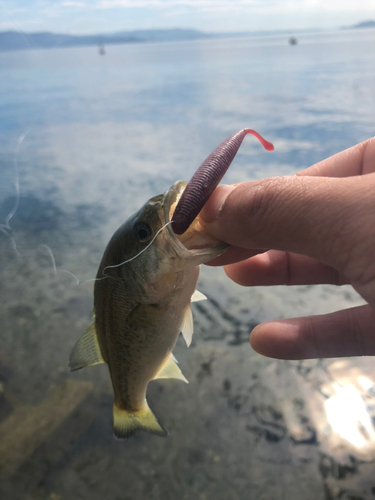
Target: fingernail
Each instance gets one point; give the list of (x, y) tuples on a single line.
[(215, 203)]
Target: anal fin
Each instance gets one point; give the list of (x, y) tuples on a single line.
[(171, 370), (86, 352), (187, 328), (197, 296)]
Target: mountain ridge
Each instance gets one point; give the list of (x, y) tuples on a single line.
[(15, 40)]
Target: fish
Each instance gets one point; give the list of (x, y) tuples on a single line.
[(143, 292)]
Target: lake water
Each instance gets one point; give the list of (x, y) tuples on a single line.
[(102, 134)]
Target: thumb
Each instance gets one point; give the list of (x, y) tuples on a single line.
[(321, 217)]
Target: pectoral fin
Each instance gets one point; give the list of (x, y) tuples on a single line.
[(171, 370), (187, 328), (197, 296), (86, 352)]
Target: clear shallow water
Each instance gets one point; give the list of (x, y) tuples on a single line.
[(103, 134)]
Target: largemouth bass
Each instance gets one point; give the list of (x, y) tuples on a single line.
[(142, 298)]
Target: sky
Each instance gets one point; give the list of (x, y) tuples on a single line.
[(104, 16)]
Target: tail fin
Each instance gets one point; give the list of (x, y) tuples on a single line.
[(126, 423)]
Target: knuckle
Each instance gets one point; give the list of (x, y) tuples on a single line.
[(354, 244), (311, 336), (265, 196), (263, 203), (356, 332)]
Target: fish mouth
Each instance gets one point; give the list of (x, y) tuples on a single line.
[(195, 241)]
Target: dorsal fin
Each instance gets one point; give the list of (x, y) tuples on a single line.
[(171, 370), (86, 352)]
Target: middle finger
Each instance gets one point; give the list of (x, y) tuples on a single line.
[(283, 268)]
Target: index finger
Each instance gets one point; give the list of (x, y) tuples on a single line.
[(357, 160)]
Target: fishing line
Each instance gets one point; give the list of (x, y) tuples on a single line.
[(6, 228), (71, 274), (16, 182), (55, 270), (135, 256), (105, 276), (51, 256), (11, 239)]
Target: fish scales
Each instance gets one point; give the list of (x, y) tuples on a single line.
[(148, 334)]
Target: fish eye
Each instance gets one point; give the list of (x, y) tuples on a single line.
[(143, 231)]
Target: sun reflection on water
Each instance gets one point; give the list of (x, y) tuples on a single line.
[(348, 417)]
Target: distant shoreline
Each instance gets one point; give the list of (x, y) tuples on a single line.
[(13, 40)]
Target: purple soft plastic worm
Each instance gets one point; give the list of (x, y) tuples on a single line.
[(207, 177)]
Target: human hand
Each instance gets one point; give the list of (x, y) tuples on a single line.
[(317, 226)]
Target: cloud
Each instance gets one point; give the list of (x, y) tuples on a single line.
[(7, 25), (73, 4), (210, 15), (230, 5)]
